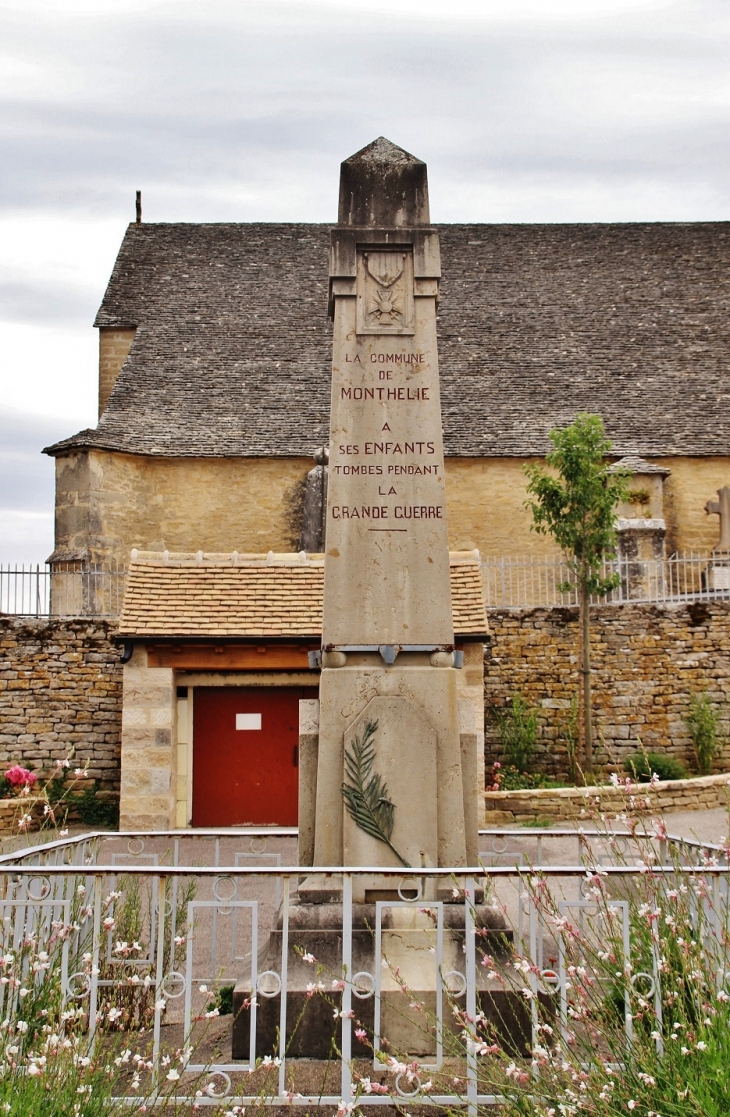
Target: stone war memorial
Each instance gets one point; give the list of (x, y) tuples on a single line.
[(387, 781)]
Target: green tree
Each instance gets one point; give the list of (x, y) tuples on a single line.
[(575, 503)]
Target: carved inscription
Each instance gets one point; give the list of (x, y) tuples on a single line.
[(389, 408), (387, 539)]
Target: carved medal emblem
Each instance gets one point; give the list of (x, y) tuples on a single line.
[(385, 292)]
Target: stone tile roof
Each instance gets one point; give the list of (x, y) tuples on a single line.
[(638, 465), (233, 350), (240, 597)]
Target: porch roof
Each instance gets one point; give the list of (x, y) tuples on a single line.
[(243, 597)]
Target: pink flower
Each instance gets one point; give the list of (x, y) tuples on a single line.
[(361, 1034), (17, 776)]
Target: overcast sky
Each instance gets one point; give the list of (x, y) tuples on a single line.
[(235, 110)]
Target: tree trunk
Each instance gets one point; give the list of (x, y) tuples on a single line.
[(584, 609)]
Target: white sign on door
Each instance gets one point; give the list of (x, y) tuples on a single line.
[(248, 721)]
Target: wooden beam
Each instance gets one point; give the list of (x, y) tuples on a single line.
[(229, 657)]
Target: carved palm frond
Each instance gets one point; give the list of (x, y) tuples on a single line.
[(365, 795)]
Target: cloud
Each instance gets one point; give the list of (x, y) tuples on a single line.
[(26, 487), (26, 475), (241, 110), (245, 111), (43, 303)]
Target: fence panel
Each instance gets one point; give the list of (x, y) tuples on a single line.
[(533, 581), (76, 590)]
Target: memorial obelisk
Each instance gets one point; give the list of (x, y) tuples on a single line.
[(388, 692)]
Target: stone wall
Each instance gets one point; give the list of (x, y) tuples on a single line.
[(114, 345), (647, 660), (60, 688), (515, 808), (108, 503)]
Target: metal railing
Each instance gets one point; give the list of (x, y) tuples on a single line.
[(510, 582), (222, 908), (531, 581), (77, 589)]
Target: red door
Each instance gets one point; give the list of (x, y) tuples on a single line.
[(245, 755)]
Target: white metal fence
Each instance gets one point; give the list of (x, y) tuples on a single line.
[(218, 908), (77, 589), (522, 581), (528, 581)]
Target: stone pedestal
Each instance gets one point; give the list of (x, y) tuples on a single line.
[(397, 993)]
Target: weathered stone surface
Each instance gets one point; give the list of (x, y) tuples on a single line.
[(62, 696), (344, 694), (387, 541), (386, 586), (149, 747), (517, 807), (647, 660), (405, 758), (308, 749)]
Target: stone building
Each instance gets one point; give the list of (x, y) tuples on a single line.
[(215, 357), (214, 371)]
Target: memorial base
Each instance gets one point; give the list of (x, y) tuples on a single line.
[(402, 956)]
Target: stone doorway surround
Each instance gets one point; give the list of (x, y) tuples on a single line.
[(192, 620)]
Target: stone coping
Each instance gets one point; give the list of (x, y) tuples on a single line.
[(563, 803)]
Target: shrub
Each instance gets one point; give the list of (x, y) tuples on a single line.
[(517, 725), (98, 812), (703, 725), (505, 777), (642, 765)]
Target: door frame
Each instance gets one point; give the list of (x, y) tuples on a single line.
[(185, 735)]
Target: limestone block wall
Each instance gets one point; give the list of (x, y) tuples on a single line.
[(515, 808), (486, 505), (60, 688), (149, 746), (108, 503), (647, 660), (114, 345)]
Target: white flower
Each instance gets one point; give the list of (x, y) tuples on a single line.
[(173, 1075), (309, 958), (702, 1046), (202, 988), (23, 1027)]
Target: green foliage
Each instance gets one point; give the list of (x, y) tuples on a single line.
[(507, 778), (97, 812), (517, 725), (703, 725), (638, 496), (642, 765), (577, 507), (366, 796), (224, 1000)]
